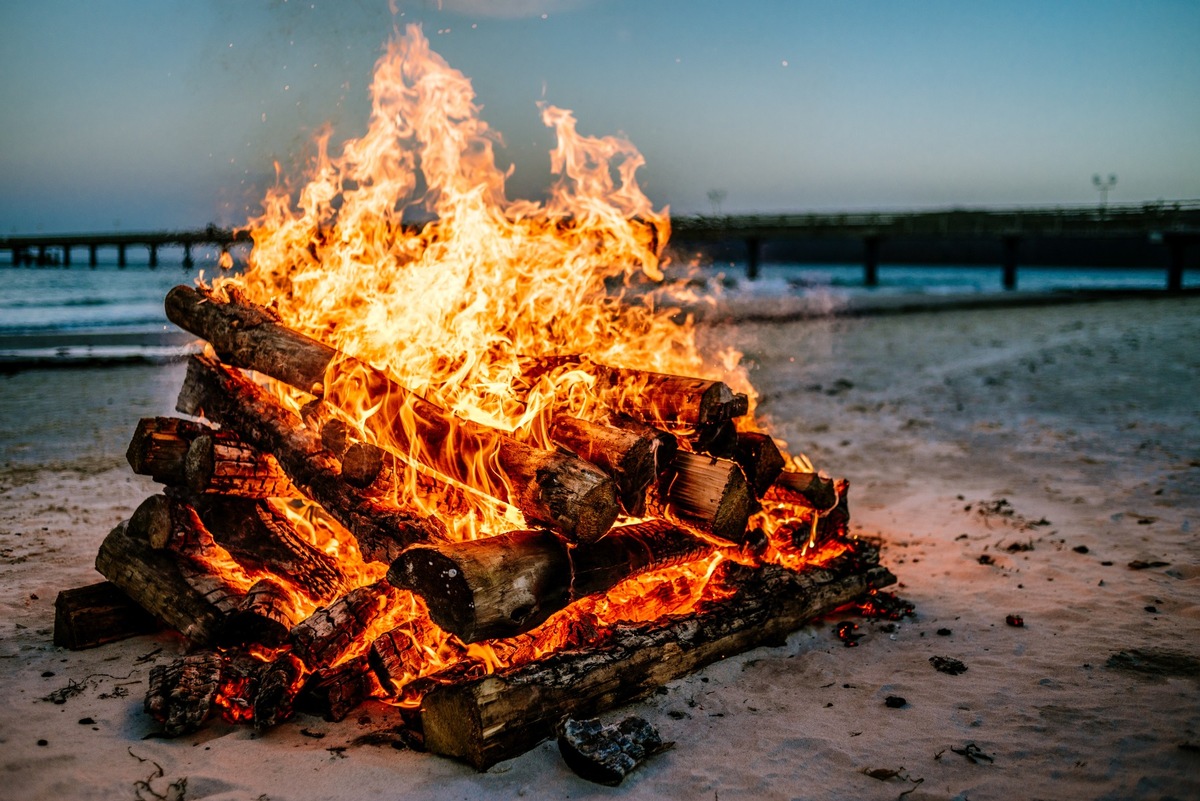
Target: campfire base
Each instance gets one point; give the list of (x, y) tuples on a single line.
[(486, 720)]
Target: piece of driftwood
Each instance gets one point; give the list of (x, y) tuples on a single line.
[(552, 489), (334, 692), (706, 493), (487, 719), (85, 617), (171, 588), (607, 754), (382, 529), (629, 457), (506, 585), (326, 636)]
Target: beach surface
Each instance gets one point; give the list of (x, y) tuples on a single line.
[(1041, 462)]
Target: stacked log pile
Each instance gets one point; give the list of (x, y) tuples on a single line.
[(223, 555)]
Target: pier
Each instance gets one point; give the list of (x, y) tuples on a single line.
[(1161, 235), (56, 250)]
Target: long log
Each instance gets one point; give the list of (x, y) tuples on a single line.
[(629, 457), (225, 395), (85, 617), (506, 585), (170, 588), (552, 489), (485, 720)]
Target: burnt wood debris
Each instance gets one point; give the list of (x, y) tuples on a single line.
[(225, 554)]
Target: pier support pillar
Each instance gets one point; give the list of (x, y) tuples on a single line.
[(871, 261), (188, 263), (41, 256), (18, 255), (1176, 253), (1010, 261), (753, 252), (66, 255), (121, 255), (153, 255), (92, 255)]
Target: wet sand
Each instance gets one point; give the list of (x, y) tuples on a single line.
[(1014, 461)]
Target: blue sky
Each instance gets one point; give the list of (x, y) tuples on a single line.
[(153, 114)]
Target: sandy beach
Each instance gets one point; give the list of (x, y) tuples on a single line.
[(1041, 462)]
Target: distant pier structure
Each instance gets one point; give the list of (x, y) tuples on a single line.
[(56, 250), (1162, 235)]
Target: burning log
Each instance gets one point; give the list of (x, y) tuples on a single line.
[(627, 456), (85, 617), (811, 490), (174, 590), (334, 692), (759, 458), (160, 444), (396, 656), (382, 529), (327, 635), (505, 585), (488, 719), (553, 489), (184, 694), (264, 616), (706, 493), (278, 688), (218, 465)]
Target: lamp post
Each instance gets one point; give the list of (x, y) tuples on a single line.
[(1104, 184)]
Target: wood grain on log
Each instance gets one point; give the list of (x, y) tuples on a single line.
[(85, 617), (279, 685), (170, 588), (549, 488), (485, 720), (225, 395), (629, 457), (707, 493)]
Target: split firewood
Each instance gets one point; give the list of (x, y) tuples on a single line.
[(607, 754), (85, 617), (172, 589), (225, 395), (326, 636), (629, 457), (264, 617), (706, 493), (217, 465), (160, 444), (278, 687), (508, 584), (397, 656), (552, 489), (334, 692), (483, 720), (813, 490)]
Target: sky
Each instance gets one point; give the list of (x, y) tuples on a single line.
[(154, 114)]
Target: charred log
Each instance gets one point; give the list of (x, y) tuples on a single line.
[(382, 529), (556, 490), (85, 617), (506, 585), (278, 688), (182, 695), (217, 465), (264, 616), (334, 692), (172, 589), (160, 444), (760, 459), (607, 754), (326, 636), (812, 490), (485, 720)]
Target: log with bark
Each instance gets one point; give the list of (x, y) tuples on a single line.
[(172, 589), (488, 719), (85, 617), (551, 489), (225, 395), (263, 617), (160, 444), (217, 465), (629, 457), (325, 637), (506, 585)]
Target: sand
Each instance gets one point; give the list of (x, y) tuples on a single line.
[(1014, 461)]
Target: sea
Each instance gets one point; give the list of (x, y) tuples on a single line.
[(70, 316)]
